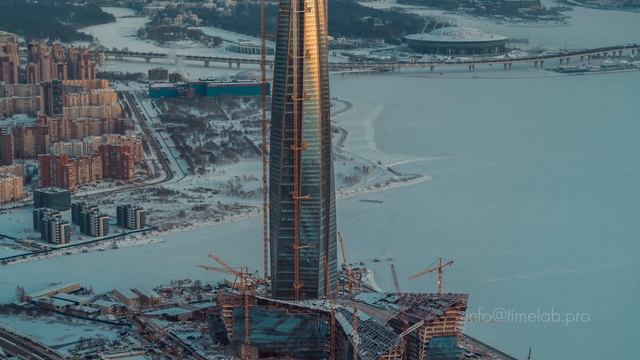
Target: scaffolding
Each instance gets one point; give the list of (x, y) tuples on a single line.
[(390, 326)]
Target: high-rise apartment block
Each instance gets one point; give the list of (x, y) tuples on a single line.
[(52, 97), (11, 188), (131, 217), (52, 198), (45, 63), (9, 58), (52, 227), (6, 147), (90, 220), (117, 162)]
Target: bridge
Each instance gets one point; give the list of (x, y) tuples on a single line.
[(206, 60), (563, 57)]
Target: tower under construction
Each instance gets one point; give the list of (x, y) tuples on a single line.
[(302, 217)]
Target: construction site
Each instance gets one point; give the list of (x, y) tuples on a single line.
[(302, 306), (354, 322)]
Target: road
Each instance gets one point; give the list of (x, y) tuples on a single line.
[(149, 135), (25, 348)]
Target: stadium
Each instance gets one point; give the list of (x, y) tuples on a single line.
[(456, 40)]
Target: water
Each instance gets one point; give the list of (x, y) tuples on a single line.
[(534, 196), (586, 27)]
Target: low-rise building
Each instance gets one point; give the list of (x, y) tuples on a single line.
[(126, 296), (147, 297), (75, 299), (107, 307), (64, 288)]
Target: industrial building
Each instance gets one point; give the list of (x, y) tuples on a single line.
[(64, 288), (53, 198), (211, 88), (455, 40), (131, 217)]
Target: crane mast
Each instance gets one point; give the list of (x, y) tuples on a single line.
[(263, 132), (396, 284), (247, 284)]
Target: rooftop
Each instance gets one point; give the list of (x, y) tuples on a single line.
[(421, 306), (72, 298), (55, 289), (18, 120), (52, 190), (456, 34)]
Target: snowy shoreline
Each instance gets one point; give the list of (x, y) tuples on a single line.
[(155, 237)]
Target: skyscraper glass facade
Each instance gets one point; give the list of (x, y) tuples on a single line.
[(302, 216)]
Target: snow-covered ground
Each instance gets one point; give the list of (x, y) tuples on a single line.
[(6, 250), (59, 332)]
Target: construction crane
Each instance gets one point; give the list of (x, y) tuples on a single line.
[(345, 261), (395, 279), (411, 329), (350, 283), (246, 282), (332, 304), (439, 267), (263, 132), (298, 145)]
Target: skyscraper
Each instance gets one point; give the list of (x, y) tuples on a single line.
[(302, 215)]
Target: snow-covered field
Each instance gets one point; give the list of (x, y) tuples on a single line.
[(8, 251), (59, 332)]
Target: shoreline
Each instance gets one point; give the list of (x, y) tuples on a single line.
[(395, 181), (155, 237)]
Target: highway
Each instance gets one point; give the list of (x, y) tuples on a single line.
[(25, 348), (149, 135)]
